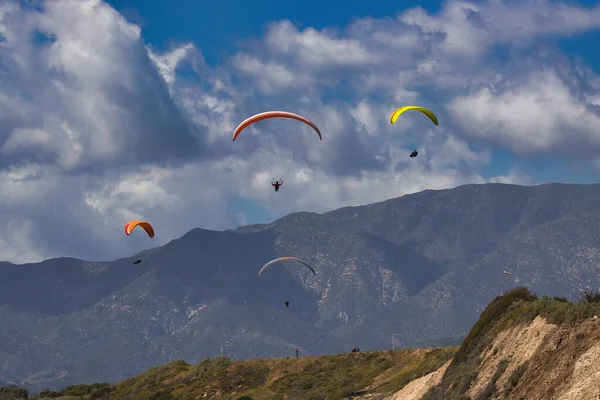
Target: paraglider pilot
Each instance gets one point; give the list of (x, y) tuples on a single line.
[(414, 153), (276, 184), (287, 304)]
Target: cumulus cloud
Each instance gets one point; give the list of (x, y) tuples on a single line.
[(470, 28), (270, 77), (168, 62), (83, 93), (318, 49), (515, 176), (543, 113), (98, 127)]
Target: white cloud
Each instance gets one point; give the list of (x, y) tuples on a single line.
[(318, 49), (91, 88), (470, 28), (18, 246), (452, 151), (367, 117), (541, 114), (141, 191), (515, 176), (97, 127), (271, 77), (167, 63)]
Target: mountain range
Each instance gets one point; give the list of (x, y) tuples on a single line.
[(410, 271)]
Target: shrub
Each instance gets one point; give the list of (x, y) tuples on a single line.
[(590, 296)]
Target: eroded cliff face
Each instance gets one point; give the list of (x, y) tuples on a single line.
[(558, 362), (511, 348), (534, 361), (417, 388)]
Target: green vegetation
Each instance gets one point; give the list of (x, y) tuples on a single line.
[(323, 377), (561, 312), (95, 391), (76, 391), (13, 392), (590, 296)]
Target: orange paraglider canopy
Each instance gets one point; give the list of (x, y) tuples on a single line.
[(274, 114), (130, 226)]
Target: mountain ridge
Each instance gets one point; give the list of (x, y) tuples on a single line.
[(420, 266)]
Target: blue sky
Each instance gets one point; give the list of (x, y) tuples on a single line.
[(217, 27), (128, 111)]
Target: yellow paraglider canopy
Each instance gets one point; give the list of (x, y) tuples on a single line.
[(425, 111)]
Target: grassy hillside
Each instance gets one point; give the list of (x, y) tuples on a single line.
[(379, 373)]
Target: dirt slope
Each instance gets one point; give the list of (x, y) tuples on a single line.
[(417, 388), (525, 348)]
